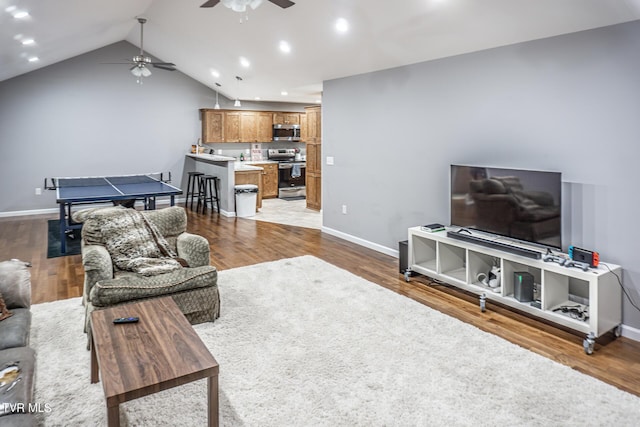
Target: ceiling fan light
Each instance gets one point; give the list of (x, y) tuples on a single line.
[(136, 71), (255, 3), (145, 72)]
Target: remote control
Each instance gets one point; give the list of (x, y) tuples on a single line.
[(125, 320)]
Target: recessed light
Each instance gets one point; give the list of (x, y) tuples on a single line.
[(342, 25), (284, 93), (10, 9), (34, 59), (244, 62), (21, 14), (215, 73), (27, 42), (285, 47)]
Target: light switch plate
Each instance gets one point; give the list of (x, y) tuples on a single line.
[(329, 160)]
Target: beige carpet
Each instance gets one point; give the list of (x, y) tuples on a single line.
[(303, 343)]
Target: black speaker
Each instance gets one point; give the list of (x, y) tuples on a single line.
[(403, 248), (523, 286)]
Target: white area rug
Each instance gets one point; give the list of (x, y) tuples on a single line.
[(303, 343)]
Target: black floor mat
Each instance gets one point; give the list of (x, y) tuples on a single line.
[(53, 241)]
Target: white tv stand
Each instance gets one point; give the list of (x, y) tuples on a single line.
[(459, 263)]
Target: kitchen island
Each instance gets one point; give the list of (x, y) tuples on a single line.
[(224, 167)]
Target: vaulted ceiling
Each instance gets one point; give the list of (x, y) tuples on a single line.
[(381, 34)]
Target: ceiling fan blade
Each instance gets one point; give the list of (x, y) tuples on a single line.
[(282, 3), (210, 3), (164, 66)]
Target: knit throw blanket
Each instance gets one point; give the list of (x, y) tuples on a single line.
[(133, 242)]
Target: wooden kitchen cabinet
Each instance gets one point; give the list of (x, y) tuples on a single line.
[(212, 126), (314, 122), (251, 177), (284, 118), (232, 126), (244, 125), (269, 180), (265, 127), (303, 127), (248, 126), (314, 157)]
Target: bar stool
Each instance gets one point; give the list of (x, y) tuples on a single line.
[(208, 192), (192, 184)]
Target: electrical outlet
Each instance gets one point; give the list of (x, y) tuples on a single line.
[(329, 160), (344, 209), (38, 191)]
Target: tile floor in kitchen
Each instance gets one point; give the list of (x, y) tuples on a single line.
[(292, 212)]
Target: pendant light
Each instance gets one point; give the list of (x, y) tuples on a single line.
[(237, 103), (217, 106)]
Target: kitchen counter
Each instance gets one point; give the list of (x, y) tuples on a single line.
[(211, 157), (221, 166)]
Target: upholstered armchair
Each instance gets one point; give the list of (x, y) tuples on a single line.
[(114, 276)]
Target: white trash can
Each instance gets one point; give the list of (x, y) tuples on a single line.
[(246, 198)]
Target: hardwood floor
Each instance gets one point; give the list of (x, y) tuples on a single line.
[(240, 242)]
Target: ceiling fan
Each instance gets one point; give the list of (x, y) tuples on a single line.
[(241, 5), (141, 62)]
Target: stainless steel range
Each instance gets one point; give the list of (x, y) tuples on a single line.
[(291, 172)]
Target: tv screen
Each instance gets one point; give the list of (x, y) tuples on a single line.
[(521, 204)]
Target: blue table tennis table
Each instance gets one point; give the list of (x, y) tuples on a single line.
[(83, 190)]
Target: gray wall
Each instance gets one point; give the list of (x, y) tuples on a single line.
[(568, 104), (84, 117)]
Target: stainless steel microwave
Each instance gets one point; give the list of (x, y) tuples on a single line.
[(286, 132)]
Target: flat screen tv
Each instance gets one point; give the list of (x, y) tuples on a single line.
[(520, 204)]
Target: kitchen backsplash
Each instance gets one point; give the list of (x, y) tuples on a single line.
[(236, 149)]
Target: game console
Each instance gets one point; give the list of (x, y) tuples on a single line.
[(591, 258), (583, 265), (554, 258)]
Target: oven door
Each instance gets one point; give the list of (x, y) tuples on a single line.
[(291, 180)]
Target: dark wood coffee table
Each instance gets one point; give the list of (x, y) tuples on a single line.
[(161, 351)]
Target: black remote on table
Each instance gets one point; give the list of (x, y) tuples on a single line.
[(126, 320)]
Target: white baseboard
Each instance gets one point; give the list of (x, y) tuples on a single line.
[(631, 333), (57, 210), (357, 240), (30, 212)]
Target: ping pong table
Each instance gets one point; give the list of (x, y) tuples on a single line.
[(84, 190)]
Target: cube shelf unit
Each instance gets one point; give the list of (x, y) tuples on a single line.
[(459, 263)]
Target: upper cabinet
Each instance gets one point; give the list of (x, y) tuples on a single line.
[(231, 126), (248, 126), (283, 118), (265, 126), (242, 125), (314, 123), (303, 127), (212, 126)]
